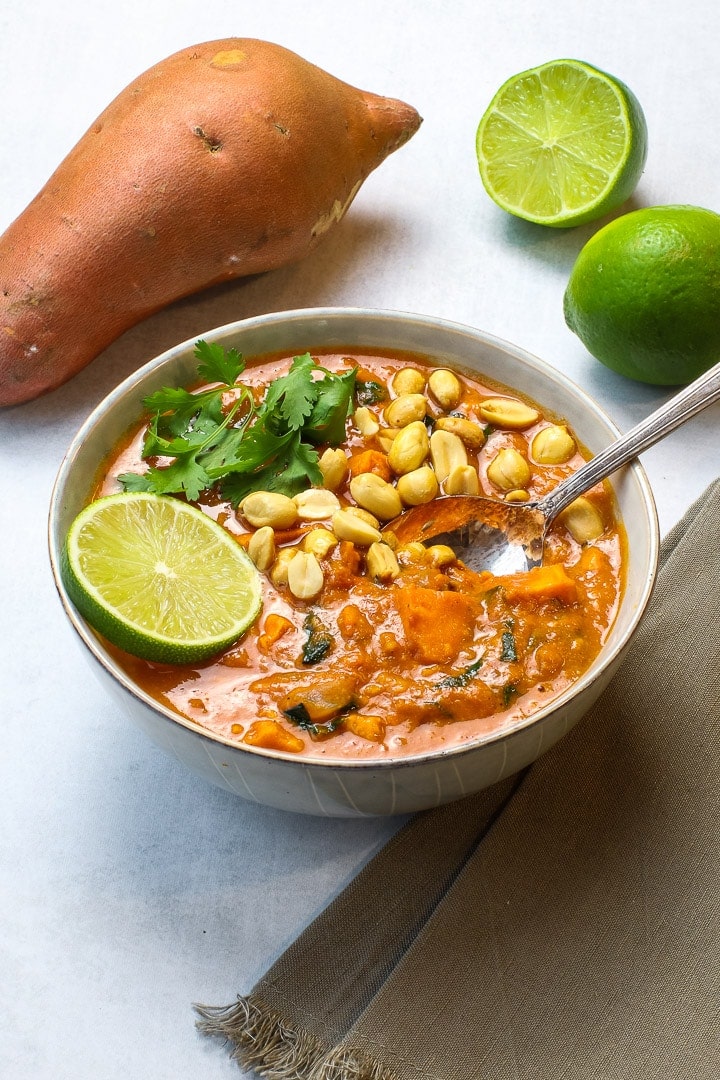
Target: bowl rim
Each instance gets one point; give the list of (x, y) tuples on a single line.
[(336, 314)]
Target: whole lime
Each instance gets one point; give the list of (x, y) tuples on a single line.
[(644, 294)]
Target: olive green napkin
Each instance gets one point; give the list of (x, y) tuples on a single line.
[(563, 925)]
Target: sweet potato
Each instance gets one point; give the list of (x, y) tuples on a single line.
[(370, 461), (548, 582), (437, 624), (229, 158)]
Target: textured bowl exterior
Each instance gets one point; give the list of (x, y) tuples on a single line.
[(386, 787)]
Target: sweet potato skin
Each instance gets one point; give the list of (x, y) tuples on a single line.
[(226, 159)]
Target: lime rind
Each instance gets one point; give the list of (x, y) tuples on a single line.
[(644, 292), (147, 571), (561, 144)]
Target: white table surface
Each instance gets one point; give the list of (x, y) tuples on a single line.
[(128, 888)]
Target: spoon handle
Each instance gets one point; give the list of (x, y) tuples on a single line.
[(695, 397)]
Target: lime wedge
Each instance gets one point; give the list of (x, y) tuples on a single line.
[(159, 578), (562, 144)]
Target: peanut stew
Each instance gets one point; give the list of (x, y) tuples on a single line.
[(366, 648)]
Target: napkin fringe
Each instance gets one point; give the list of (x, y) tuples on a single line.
[(350, 1065), (266, 1043), (263, 1040)]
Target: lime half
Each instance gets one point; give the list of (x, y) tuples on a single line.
[(159, 578), (562, 144)]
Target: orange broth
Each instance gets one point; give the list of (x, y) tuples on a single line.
[(432, 658)]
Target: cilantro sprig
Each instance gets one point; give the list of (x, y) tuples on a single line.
[(246, 446)]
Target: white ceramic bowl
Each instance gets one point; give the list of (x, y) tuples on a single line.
[(341, 788)]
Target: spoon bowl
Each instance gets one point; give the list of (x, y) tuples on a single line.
[(488, 534)]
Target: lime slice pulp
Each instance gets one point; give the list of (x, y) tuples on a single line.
[(159, 578), (562, 144)]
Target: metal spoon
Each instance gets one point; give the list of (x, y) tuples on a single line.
[(505, 537)]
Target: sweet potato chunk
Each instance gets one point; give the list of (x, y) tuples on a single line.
[(322, 698), (370, 461), (371, 728), (549, 582), (271, 735), (274, 628), (437, 624)]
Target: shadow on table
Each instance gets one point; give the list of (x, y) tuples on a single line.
[(559, 248)]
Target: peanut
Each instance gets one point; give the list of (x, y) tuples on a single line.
[(408, 381), (418, 487), (412, 552), (447, 452), (508, 413), (319, 542), (373, 493), (316, 504), (334, 468), (305, 576), (366, 421), (471, 433), (441, 555), (261, 548), (553, 445), (269, 508), (279, 569), (349, 526), (410, 447), (463, 480), (386, 437), (445, 387), (364, 515), (583, 520), (405, 410), (381, 562), (508, 469)]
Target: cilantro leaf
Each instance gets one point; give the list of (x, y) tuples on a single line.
[(509, 691), (292, 396), (369, 392), (259, 447), (133, 481), (509, 648), (184, 474), (275, 463), (156, 445), (302, 469), (171, 399), (332, 407), (178, 409), (218, 364), (224, 452), (242, 447)]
